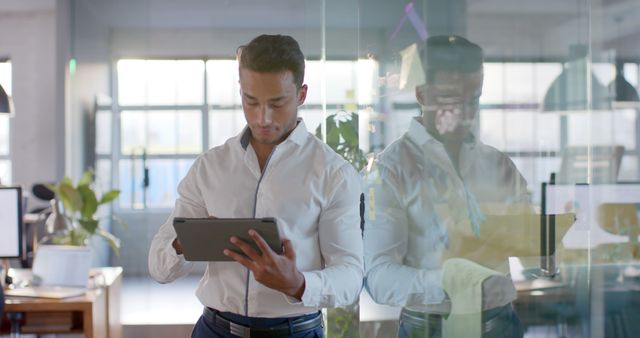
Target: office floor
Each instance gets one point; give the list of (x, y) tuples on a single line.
[(155, 310), (150, 309), (146, 302)]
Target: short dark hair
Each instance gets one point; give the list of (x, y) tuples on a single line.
[(273, 54), (450, 53)]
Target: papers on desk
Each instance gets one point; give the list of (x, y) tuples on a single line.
[(54, 292), (59, 271)]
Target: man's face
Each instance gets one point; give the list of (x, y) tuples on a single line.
[(270, 102), (450, 103)]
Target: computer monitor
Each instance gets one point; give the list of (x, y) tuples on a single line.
[(11, 241), (587, 202)]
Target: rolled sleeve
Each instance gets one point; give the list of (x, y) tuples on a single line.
[(388, 280), (165, 265), (340, 282)]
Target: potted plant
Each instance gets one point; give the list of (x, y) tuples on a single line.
[(78, 220), (342, 137)]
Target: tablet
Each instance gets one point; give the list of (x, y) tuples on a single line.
[(204, 239)]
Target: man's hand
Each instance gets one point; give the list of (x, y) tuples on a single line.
[(275, 271), (177, 246)]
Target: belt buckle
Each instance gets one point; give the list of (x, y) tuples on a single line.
[(239, 330)]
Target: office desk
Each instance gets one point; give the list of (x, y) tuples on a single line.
[(597, 300), (95, 314)]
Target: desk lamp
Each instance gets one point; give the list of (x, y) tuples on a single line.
[(5, 102)]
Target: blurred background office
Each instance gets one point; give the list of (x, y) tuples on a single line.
[(136, 89)]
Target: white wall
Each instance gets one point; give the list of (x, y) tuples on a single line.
[(29, 39)]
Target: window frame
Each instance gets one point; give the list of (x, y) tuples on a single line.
[(116, 155)]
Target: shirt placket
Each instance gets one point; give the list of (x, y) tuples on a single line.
[(258, 209), (453, 182)]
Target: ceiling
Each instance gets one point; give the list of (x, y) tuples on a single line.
[(511, 28), (12, 6)]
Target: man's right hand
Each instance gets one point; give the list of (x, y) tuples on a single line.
[(177, 246)]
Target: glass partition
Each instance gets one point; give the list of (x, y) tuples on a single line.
[(496, 204), (497, 144)]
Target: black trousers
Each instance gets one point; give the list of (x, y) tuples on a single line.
[(206, 329)]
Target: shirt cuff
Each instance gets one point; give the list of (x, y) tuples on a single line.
[(430, 286), (173, 259), (312, 290)]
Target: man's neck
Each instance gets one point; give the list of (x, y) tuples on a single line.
[(453, 150), (263, 150), (451, 146)]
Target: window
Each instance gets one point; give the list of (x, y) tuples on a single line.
[(5, 154), (167, 112), (512, 120)]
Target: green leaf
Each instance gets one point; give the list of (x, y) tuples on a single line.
[(349, 133), (66, 180), (86, 179), (89, 225), (354, 119), (90, 203), (71, 198), (331, 119), (113, 241), (333, 137), (109, 196), (119, 220)]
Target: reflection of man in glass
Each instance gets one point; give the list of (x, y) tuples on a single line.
[(437, 175)]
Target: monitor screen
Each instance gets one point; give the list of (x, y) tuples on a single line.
[(10, 222), (589, 202)]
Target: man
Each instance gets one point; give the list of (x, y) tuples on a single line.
[(273, 168), (436, 176)]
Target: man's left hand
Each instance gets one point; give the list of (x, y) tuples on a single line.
[(275, 271)]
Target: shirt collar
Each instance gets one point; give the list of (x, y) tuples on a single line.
[(297, 135), (418, 133)]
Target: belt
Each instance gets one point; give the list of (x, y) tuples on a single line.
[(214, 317)]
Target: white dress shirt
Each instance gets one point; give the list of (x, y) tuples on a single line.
[(314, 195), (412, 192)]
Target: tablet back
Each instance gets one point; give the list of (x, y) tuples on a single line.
[(204, 239)]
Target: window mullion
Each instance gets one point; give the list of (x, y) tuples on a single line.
[(205, 111)]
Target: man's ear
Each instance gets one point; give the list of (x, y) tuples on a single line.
[(420, 95), (302, 94)]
